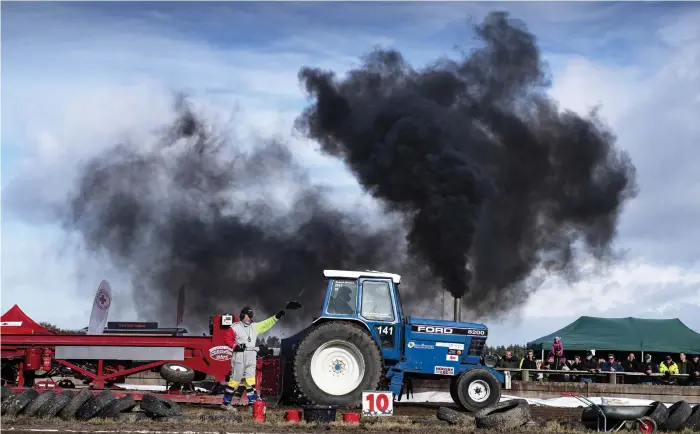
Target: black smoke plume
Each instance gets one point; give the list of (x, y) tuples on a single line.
[(492, 178), (198, 209)]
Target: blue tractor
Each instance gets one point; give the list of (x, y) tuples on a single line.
[(363, 342)]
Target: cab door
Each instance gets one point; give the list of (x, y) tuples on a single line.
[(378, 310)]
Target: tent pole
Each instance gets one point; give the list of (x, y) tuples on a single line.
[(542, 355)]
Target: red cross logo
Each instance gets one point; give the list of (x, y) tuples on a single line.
[(103, 300)]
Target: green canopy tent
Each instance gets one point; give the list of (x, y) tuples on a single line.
[(624, 334)]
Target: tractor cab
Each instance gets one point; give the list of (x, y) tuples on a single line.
[(370, 299)]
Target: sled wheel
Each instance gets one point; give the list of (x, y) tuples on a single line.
[(177, 373), (335, 363), (645, 425)]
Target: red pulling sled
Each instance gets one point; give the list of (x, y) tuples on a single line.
[(31, 352)]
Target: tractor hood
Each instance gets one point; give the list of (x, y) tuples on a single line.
[(425, 325)]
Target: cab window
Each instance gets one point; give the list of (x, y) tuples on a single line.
[(376, 301), (343, 298)]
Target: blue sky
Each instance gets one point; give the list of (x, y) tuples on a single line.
[(77, 77)]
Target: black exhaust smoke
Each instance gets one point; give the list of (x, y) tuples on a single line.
[(481, 164), (485, 168), (196, 209)]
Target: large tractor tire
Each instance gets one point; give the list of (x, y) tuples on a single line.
[(335, 362), (478, 389), (453, 391)]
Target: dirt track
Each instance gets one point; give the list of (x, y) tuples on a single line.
[(407, 418)]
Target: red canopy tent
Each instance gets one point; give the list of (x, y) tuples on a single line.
[(16, 322)]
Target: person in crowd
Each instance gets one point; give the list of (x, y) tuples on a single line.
[(685, 366), (575, 365), (557, 362), (590, 365), (694, 379), (601, 362), (529, 361), (557, 344), (648, 367), (612, 365), (668, 367), (540, 365), (630, 365), (508, 361)]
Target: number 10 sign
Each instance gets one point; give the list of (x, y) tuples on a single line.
[(377, 403)]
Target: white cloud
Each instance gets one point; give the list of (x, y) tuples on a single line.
[(73, 86)]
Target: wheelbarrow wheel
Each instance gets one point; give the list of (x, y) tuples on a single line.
[(645, 425)]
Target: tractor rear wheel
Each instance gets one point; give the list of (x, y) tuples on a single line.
[(335, 362), (477, 389)]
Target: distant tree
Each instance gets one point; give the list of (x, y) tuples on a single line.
[(273, 342), (517, 350), (55, 328), (269, 342)]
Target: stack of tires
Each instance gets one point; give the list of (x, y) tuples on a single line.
[(85, 405), (505, 415), (678, 417)]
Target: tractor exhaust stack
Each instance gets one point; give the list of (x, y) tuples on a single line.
[(458, 309)]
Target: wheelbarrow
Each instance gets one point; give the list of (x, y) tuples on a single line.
[(621, 414)]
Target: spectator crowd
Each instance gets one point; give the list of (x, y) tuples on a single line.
[(588, 363)]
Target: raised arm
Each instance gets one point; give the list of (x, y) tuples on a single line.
[(265, 325)]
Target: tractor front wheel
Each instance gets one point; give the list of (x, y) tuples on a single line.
[(335, 363), (477, 389)]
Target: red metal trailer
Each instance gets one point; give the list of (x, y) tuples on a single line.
[(104, 360)]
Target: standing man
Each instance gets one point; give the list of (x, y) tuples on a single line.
[(245, 356)]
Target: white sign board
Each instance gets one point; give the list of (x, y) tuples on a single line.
[(378, 403)]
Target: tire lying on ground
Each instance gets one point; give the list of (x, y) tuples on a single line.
[(68, 412), (453, 417), (6, 393), (93, 405), (658, 412), (678, 413), (125, 403), (16, 403), (504, 415), (177, 373), (55, 404), (159, 407), (38, 402), (693, 422)]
